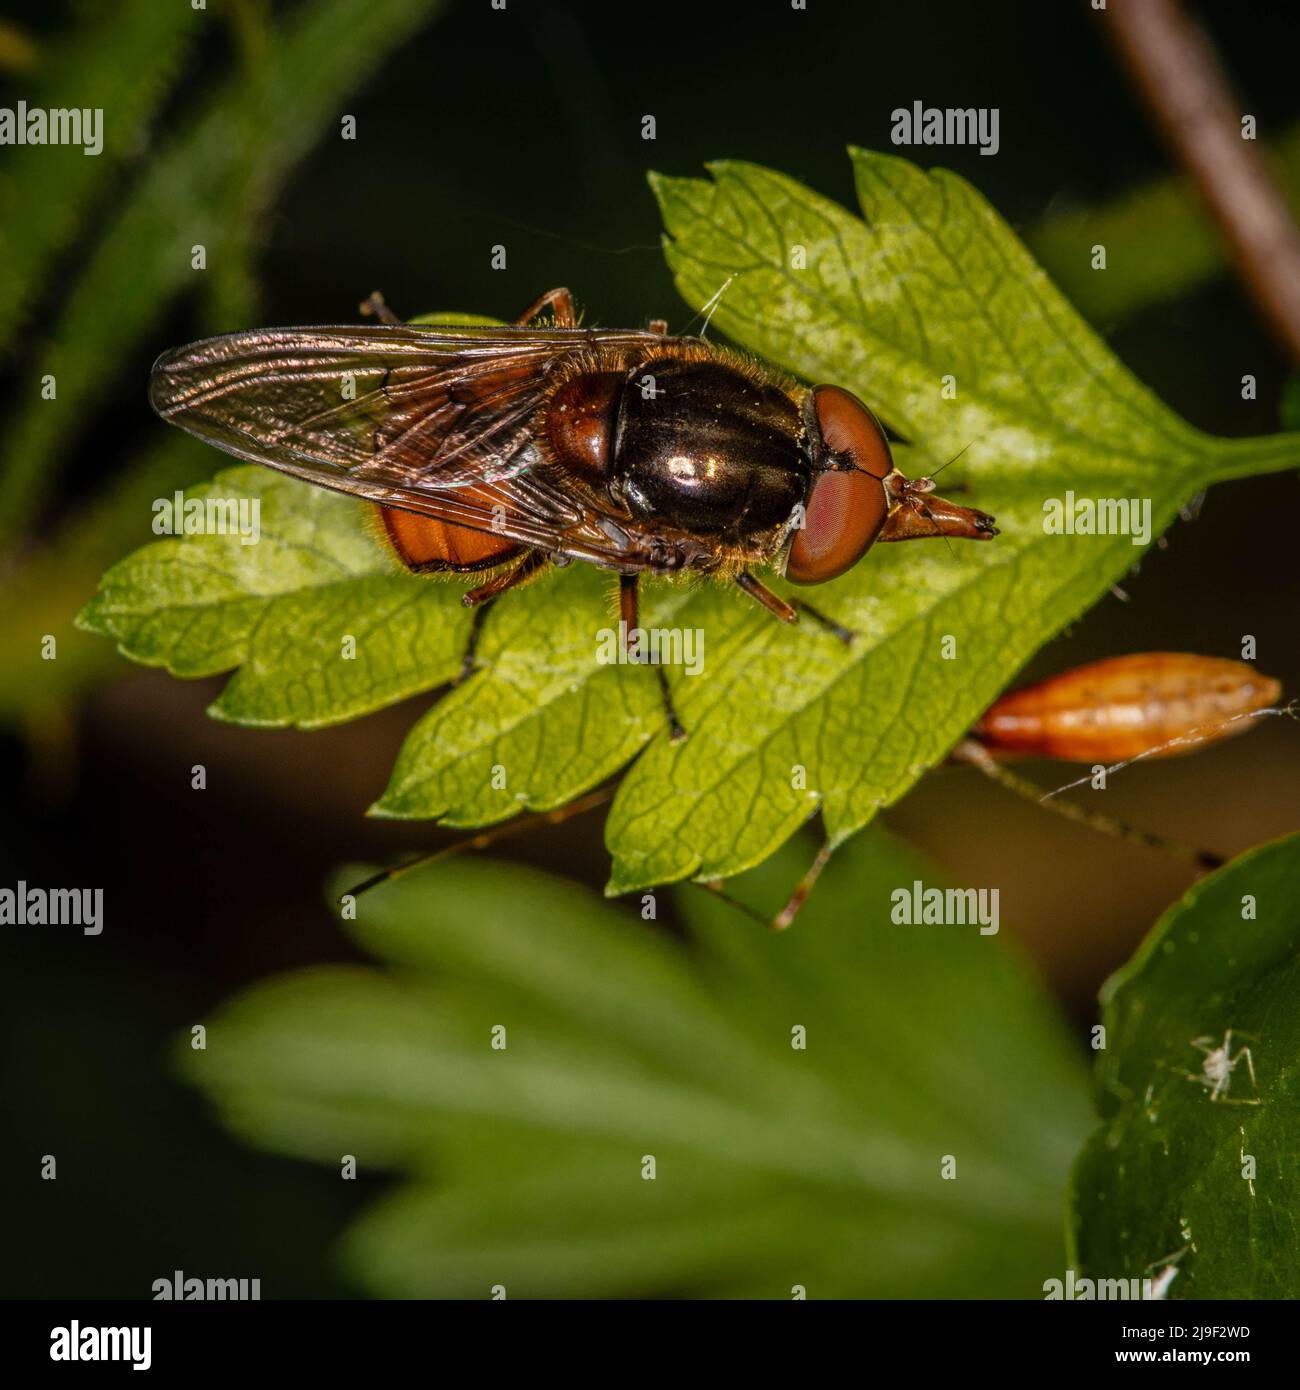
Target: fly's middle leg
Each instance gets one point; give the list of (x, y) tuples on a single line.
[(629, 609)]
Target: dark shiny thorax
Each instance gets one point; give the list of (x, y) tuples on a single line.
[(700, 446)]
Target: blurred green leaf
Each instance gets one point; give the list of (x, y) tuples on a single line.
[(1289, 404), (223, 166), (122, 60), (932, 284), (1160, 242), (775, 1166), (1166, 1183), (41, 597)]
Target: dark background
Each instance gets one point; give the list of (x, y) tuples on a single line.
[(523, 128)]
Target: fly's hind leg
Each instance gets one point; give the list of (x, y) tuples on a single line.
[(559, 302), (377, 306), (482, 598), (628, 609)]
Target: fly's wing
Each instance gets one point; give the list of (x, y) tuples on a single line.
[(435, 421)]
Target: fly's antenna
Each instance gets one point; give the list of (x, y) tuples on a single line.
[(951, 461)]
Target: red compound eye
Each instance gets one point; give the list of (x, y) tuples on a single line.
[(847, 508)]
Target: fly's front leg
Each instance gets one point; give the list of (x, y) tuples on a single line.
[(477, 619), (845, 634), (774, 605), (377, 306), (559, 302), (789, 612), (628, 611)]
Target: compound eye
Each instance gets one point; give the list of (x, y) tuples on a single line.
[(845, 514), (847, 508), (850, 429)]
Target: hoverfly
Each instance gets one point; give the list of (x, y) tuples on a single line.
[(502, 450)]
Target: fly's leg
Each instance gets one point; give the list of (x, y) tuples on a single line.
[(486, 838), (481, 599), (845, 634), (477, 619), (559, 302), (788, 611), (628, 608), (528, 568), (801, 890), (774, 605), (377, 306)]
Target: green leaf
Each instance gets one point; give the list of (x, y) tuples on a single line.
[(929, 284), (1177, 1179), (782, 722), (283, 609), (775, 1165), (538, 713)]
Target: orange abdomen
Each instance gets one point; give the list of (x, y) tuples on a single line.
[(425, 544), (1112, 710)]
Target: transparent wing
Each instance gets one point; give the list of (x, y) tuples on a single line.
[(436, 421)]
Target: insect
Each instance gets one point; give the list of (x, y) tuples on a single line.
[(1218, 1066), (499, 451)]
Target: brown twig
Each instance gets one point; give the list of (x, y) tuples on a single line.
[(1174, 67)]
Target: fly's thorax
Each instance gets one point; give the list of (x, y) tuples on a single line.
[(705, 447), (579, 423)]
